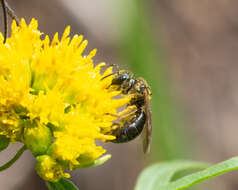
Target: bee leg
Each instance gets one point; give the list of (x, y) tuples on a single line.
[(113, 115), (126, 87), (122, 117), (130, 110), (116, 125), (119, 132)]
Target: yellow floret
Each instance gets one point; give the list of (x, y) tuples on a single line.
[(55, 84)]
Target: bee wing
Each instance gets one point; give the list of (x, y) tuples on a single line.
[(148, 125)]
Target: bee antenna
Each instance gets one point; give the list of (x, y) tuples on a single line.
[(115, 65), (111, 65), (108, 75)]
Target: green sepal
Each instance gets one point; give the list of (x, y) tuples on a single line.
[(62, 184), (97, 162), (4, 142)]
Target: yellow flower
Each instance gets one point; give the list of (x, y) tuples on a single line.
[(54, 85)]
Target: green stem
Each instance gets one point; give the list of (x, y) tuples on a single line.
[(14, 159)]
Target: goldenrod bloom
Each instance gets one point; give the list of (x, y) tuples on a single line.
[(53, 100)]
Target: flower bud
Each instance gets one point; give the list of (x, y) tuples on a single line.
[(48, 169), (37, 139)]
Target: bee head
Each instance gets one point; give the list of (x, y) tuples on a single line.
[(120, 77)]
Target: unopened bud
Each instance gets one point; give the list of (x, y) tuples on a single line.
[(37, 139), (48, 169)]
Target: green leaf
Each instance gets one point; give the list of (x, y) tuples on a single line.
[(160, 175), (62, 184), (4, 142), (218, 169)]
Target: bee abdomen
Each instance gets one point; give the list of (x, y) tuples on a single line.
[(132, 130)]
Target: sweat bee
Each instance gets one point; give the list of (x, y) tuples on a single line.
[(129, 126)]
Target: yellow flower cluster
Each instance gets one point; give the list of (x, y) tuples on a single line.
[(53, 100)]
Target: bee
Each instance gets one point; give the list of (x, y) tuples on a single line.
[(8, 11), (132, 124)]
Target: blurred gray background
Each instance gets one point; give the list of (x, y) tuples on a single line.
[(188, 52)]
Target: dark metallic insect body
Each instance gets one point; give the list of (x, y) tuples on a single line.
[(131, 125), (131, 129)]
